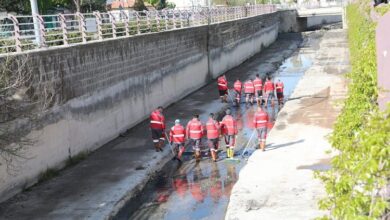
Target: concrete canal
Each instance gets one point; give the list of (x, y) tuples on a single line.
[(191, 190)]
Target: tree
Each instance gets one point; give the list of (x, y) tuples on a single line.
[(77, 4), (139, 5), (161, 4), (17, 6), (24, 98)]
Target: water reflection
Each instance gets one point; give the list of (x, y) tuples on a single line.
[(202, 190), (215, 184)]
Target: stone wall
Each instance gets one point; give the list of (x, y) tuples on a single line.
[(105, 88)]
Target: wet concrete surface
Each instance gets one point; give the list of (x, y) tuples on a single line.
[(99, 186), (279, 183), (193, 190)]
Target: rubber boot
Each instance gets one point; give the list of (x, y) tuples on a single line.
[(262, 146), (197, 156), (156, 147), (231, 152), (160, 145)]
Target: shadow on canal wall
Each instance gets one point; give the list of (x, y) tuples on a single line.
[(104, 88)]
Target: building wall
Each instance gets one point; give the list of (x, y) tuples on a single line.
[(105, 88)]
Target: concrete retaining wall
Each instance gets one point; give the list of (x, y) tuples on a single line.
[(316, 22), (104, 88)]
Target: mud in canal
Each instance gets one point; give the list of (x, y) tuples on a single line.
[(191, 190)]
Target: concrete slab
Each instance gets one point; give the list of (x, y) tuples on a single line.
[(99, 186), (279, 183)]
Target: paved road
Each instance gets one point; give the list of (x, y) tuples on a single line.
[(97, 187)]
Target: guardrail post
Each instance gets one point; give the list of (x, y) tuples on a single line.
[(174, 18), (138, 22), (113, 24), (157, 21), (63, 28), (82, 27), (98, 18), (42, 32), (18, 43), (193, 18), (164, 12), (148, 20), (225, 15), (127, 30), (181, 19)]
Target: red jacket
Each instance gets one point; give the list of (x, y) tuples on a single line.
[(260, 119), (238, 86), (258, 83), (212, 128), (194, 129), (177, 134), (279, 87), (229, 124), (249, 87), (222, 83), (157, 120), (269, 86)]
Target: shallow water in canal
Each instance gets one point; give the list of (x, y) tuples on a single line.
[(192, 190)]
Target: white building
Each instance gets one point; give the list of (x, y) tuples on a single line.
[(189, 3)]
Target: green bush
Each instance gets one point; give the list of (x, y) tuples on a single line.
[(361, 135)]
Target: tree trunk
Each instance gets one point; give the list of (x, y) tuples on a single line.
[(77, 5)]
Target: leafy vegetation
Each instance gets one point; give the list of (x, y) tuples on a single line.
[(46, 6), (361, 170)]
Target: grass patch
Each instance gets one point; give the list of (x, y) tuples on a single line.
[(71, 161), (50, 173)]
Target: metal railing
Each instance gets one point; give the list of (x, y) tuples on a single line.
[(17, 33), (312, 5)]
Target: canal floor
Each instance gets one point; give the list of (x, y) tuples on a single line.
[(193, 190), (103, 185), (280, 183)]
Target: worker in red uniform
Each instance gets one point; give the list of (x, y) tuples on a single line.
[(194, 133), (249, 90), (237, 89), (222, 88), (230, 127), (177, 139), (269, 88), (212, 129), (258, 84), (157, 126), (279, 92), (260, 121)]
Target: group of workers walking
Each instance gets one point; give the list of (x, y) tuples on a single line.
[(213, 129), (253, 90)]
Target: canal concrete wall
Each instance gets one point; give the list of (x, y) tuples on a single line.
[(104, 88)]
